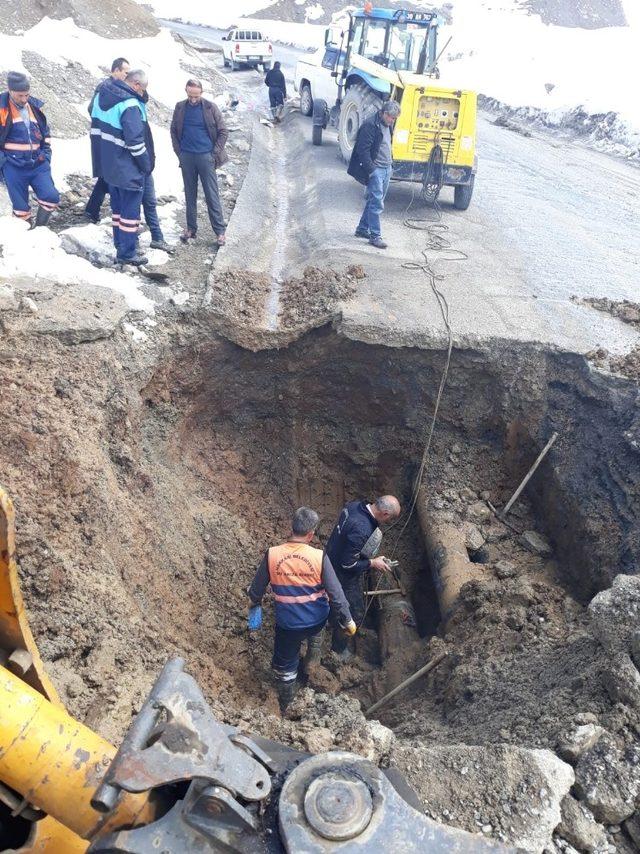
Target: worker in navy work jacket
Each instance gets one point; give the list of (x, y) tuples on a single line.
[(304, 587), (119, 70), (25, 151), (352, 549), (119, 155)]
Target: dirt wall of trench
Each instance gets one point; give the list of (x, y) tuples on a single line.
[(147, 493)]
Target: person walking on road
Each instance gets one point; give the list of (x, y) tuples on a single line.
[(274, 79), (352, 549), (119, 156), (371, 164), (304, 585), (199, 136), (119, 70), (25, 151)]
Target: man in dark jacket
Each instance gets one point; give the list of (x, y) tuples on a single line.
[(352, 549), (119, 71), (304, 584), (199, 135), (119, 155), (371, 164), (25, 151), (149, 201), (274, 79)]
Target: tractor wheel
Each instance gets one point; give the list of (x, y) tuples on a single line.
[(359, 103), (462, 195), (306, 101), (316, 134)]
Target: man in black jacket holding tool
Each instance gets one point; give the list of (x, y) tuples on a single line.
[(371, 164), (352, 549)]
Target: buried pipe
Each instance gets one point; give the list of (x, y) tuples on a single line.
[(397, 629), (447, 556)]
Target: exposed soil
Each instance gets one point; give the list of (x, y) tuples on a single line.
[(146, 496), (148, 484)]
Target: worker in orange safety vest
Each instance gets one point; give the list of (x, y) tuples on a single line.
[(304, 587)]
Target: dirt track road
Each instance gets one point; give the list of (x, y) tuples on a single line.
[(550, 220)]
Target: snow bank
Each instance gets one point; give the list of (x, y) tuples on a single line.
[(212, 14), (63, 41), (513, 57), (38, 254)]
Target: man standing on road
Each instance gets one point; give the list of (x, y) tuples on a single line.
[(119, 155), (199, 135), (352, 549), (274, 79), (303, 583), (119, 70), (25, 151), (371, 164)]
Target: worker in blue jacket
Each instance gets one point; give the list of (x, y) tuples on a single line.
[(119, 70), (119, 155), (352, 549), (25, 151)]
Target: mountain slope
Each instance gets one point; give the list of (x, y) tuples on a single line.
[(109, 18)]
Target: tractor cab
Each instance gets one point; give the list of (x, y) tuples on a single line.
[(395, 39)]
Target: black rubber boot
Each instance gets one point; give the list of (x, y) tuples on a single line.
[(42, 217), (314, 651), (286, 693)]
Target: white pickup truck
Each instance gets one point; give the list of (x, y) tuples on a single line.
[(313, 78), (246, 47)]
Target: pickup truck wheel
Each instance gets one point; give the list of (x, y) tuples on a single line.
[(306, 101), (266, 66), (462, 195), (359, 103), (316, 134)]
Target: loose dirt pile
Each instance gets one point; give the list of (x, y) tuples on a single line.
[(315, 295), (625, 310)]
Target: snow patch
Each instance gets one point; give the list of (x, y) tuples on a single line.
[(38, 253), (63, 41)]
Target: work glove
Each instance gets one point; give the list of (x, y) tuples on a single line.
[(350, 629), (255, 618)]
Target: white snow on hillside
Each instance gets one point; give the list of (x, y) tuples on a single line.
[(499, 49), (514, 57)]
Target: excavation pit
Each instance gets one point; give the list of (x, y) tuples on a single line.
[(158, 489)]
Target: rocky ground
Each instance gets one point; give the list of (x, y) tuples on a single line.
[(109, 18)]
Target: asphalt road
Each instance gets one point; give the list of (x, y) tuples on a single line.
[(288, 56), (550, 220)]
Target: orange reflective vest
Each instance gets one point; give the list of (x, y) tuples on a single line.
[(295, 573), (22, 143)]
